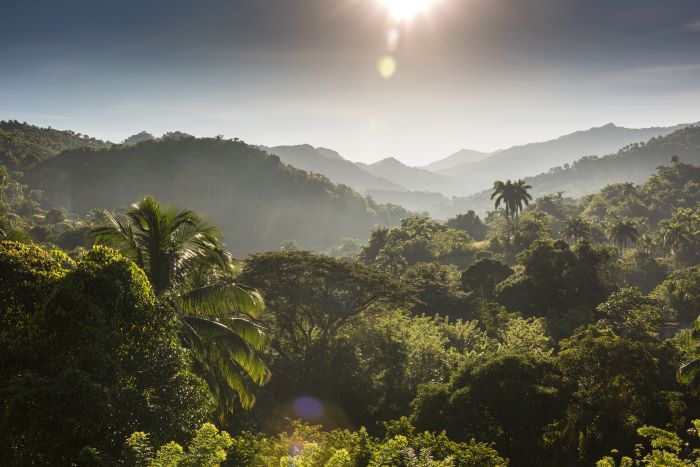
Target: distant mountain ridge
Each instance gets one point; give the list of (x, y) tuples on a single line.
[(530, 159), (256, 200), (464, 156), (332, 165), (412, 178), (633, 163)]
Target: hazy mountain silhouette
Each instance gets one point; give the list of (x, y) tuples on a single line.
[(412, 178), (465, 156), (534, 158), (255, 199), (633, 163), (329, 163)]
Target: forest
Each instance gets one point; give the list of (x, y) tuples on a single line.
[(551, 331)]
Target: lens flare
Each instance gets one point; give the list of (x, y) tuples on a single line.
[(386, 66), (308, 408)]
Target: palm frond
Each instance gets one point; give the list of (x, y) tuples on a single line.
[(220, 299)]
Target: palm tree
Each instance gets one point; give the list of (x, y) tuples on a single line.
[(675, 159), (185, 262), (513, 195), (621, 232), (502, 192), (674, 236), (646, 244), (628, 190), (522, 195), (576, 228)]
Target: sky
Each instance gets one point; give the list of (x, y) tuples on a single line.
[(348, 74)]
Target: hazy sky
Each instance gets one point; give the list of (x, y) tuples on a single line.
[(480, 74)]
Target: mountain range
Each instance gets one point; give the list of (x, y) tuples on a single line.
[(464, 156), (466, 171), (633, 163), (411, 178), (310, 194), (331, 164), (257, 201), (531, 159)]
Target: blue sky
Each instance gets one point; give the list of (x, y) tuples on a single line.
[(481, 74)]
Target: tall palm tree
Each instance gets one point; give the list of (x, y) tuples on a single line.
[(185, 262), (502, 192), (513, 195), (646, 244), (576, 228), (674, 236), (623, 231)]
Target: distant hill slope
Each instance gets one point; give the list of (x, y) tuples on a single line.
[(23, 145), (255, 199), (531, 159), (465, 156), (329, 163), (634, 163), (412, 178)]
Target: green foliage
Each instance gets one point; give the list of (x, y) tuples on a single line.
[(471, 224), (667, 449), (90, 356), (418, 239), (309, 446), (206, 449), (23, 145), (257, 201), (438, 290), (616, 384), (311, 303), (630, 314), (559, 283), (680, 294), (509, 398), (483, 276), (186, 264)]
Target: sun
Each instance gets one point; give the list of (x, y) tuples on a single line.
[(405, 10)]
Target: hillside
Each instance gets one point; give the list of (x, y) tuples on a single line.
[(330, 164), (412, 178), (257, 200), (23, 145), (634, 163), (534, 158), (465, 156)]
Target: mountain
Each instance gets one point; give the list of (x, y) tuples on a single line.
[(329, 163), (534, 158), (256, 200), (633, 163), (23, 145), (465, 156), (329, 153), (412, 178)]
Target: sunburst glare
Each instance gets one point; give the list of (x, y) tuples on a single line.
[(405, 10)]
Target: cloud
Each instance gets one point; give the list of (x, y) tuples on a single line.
[(694, 26)]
